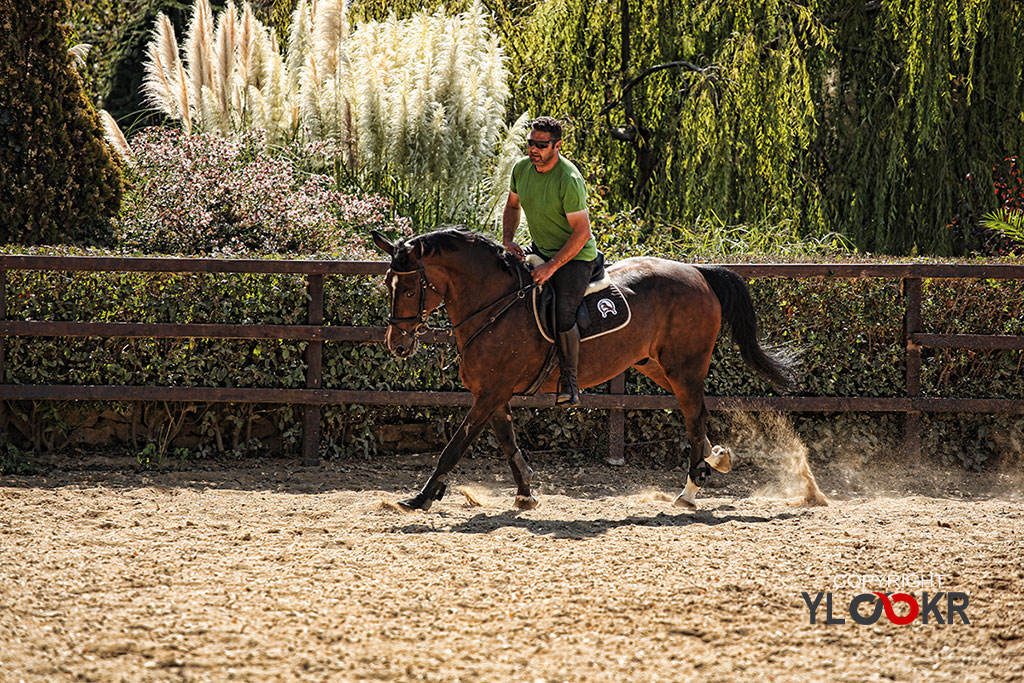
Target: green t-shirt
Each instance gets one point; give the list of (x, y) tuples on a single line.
[(546, 198)]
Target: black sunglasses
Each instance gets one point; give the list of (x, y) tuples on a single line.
[(540, 144)]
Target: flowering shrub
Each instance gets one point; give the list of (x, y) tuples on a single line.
[(205, 194)]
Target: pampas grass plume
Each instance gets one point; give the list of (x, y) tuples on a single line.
[(79, 52), (113, 134), (199, 50), (161, 68)]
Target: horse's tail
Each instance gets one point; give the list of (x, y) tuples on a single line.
[(777, 364)]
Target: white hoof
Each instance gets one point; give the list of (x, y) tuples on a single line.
[(688, 498), (720, 459), (681, 502)]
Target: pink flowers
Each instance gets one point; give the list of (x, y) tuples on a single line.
[(207, 194)]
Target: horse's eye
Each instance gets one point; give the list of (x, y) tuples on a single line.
[(408, 295)]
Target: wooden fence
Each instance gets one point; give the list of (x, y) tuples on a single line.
[(616, 401)]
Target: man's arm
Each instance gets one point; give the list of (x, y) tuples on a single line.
[(509, 224), (579, 221)]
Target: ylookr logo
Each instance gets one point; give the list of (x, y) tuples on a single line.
[(930, 609)]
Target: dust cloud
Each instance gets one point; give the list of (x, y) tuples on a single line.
[(770, 441)]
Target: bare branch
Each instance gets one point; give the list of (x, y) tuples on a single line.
[(651, 70)]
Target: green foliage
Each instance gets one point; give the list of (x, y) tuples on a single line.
[(149, 457), (13, 461), (280, 18), (1009, 223), (630, 233), (58, 182), (935, 97), (856, 118)]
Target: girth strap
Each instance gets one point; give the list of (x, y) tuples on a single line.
[(550, 363)]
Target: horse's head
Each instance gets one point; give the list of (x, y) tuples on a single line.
[(413, 296)]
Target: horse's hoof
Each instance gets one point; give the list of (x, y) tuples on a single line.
[(681, 502), (720, 459), (688, 498), (415, 503), (526, 502)]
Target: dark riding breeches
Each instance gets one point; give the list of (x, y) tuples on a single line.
[(570, 283)]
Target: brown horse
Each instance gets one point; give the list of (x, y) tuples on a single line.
[(677, 310)]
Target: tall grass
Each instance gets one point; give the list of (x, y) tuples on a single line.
[(630, 233), (416, 106)]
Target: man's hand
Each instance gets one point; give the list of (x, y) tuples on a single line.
[(514, 249), (543, 273)]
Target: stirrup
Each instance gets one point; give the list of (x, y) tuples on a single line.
[(567, 395), (567, 400)]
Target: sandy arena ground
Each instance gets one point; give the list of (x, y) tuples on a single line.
[(263, 570)]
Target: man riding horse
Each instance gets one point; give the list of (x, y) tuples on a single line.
[(551, 191), (676, 311)]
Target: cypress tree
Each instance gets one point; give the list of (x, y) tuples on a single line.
[(59, 182)]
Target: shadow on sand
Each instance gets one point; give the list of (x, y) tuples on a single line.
[(580, 529)]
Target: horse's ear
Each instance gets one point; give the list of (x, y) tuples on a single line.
[(382, 243)]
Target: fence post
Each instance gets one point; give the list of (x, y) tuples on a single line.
[(314, 373), (3, 352), (911, 326), (617, 425)]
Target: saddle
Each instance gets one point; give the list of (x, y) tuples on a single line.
[(604, 308)]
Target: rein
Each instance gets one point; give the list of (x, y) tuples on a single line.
[(421, 317)]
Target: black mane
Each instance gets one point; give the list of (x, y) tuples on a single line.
[(450, 239)]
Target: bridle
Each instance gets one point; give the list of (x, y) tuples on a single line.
[(420, 318), (421, 315)]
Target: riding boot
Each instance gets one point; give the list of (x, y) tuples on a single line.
[(569, 345)]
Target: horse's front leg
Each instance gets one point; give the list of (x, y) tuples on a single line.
[(467, 432), (501, 423)]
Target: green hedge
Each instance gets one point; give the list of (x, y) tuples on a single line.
[(849, 332)]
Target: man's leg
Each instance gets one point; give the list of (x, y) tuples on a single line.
[(570, 283)]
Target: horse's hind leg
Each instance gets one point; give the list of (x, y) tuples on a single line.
[(719, 458), (501, 423), (688, 386), (703, 457)]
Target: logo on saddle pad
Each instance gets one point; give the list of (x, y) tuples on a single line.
[(601, 312), (606, 307)]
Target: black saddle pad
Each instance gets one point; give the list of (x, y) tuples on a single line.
[(601, 312)]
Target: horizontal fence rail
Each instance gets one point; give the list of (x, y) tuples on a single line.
[(617, 401)]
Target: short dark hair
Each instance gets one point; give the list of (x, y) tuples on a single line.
[(547, 124)]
